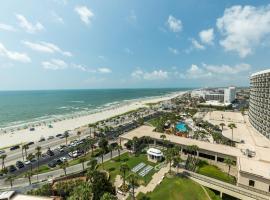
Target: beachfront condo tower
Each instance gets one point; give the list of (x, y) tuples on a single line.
[(259, 104)]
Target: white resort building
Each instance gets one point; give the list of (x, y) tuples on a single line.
[(259, 103), (154, 155)]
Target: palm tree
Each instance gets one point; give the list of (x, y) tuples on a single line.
[(111, 148), (22, 153), (232, 126), (133, 181), (163, 137), (222, 125), (177, 159), (79, 134), (10, 179), (108, 196), (29, 175), (66, 136), (38, 154), (118, 148), (3, 157), (25, 147), (64, 166), (123, 169), (134, 143), (169, 154), (82, 160), (29, 158), (229, 163), (90, 129)]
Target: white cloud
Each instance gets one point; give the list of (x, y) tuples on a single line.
[(13, 55), (7, 27), (104, 70), (216, 71), (197, 45), (132, 18), (154, 75), (244, 28), (207, 36), (46, 47), (85, 14), (57, 18), (128, 51), (28, 26), (54, 64), (173, 50), (226, 69), (174, 24)]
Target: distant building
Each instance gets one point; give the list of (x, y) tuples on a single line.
[(229, 94), (12, 195), (259, 103)]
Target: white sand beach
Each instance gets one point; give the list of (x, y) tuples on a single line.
[(25, 135)]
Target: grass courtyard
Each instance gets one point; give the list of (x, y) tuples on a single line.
[(214, 172), (177, 189), (113, 166)]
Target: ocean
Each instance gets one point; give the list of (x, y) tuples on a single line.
[(20, 107)]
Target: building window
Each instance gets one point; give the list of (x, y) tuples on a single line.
[(251, 183)]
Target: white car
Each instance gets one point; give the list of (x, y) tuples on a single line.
[(63, 159), (28, 162)]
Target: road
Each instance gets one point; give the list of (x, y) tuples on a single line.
[(22, 183)]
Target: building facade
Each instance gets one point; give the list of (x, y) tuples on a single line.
[(259, 102)]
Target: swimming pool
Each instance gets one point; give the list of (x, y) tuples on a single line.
[(181, 127)]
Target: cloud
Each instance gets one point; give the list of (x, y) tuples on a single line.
[(132, 18), (154, 75), (128, 51), (13, 55), (104, 70), (54, 64), (57, 18), (207, 36), (7, 27), (85, 14), (28, 26), (243, 28), (216, 71), (46, 47), (173, 50), (174, 24), (196, 44)]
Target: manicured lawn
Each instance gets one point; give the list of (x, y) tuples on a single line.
[(214, 172), (176, 189), (113, 166)]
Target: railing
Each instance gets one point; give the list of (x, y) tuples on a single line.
[(224, 185)]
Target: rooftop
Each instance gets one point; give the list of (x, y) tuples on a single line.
[(260, 72)]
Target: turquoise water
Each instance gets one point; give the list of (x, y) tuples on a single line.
[(181, 127), (18, 107)]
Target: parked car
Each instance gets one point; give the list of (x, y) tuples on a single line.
[(14, 147), (12, 168), (58, 135), (30, 143), (52, 164), (58, 162), (63, 159), (28, 162), (41, 140), (19, 164), (50, 137), (60, 149), (50, 152)]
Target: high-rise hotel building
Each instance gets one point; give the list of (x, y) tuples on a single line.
[(259, 103)]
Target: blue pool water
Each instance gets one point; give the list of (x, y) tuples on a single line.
[(181, 127)]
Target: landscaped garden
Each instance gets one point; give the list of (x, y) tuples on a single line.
[(214, 172), (176, 188), (113, 166)]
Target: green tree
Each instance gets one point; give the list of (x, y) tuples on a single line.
[(118, 148), (163, 137), (133, 181), (28, 175), (10, 179), (64, 166), (124, 169), (169, 154), (25, 147), (79, 134), (111, 148), (38, 155), (232, 126), (29, 158), (66, 135), (3, 157), (229, 163), (222, 125), (177, 159), (82, 161), (108, 196), (134, 144), (83, 191)]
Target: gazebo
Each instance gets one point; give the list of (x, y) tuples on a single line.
[(154, 155)]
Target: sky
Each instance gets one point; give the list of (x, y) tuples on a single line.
[(65, 44)]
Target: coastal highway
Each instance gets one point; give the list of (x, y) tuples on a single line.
[(23, 183)]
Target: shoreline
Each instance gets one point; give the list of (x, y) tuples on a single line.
[(74, 122)]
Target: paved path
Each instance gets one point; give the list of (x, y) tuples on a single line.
[(23, 182)]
